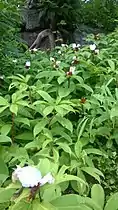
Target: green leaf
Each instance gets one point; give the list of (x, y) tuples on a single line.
[(74, 202), (111, 64), (44, 166), (14, 108), (114, 112), (112, 203), (93, 151), (3, 101), (80, 132), (3, 108), (93, 172), (87, 87), (6, 194), (61, 79), (78, 148), (63, 92), (23, 120), (97, 194), (5, 129), (45, 96), (40, 126), (4, 173), (65, 147), (36, 205), (25, 136), (65, 123), (48, 110), (4, 139)]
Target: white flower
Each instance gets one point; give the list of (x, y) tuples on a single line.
[(35, 50), (28, 64), (73, 45), (92, 47), (64, 45), (52, 59), (74, 57), (57, 63), (59, 52), (97, 51), (76, 46), (72, 69), (15, 61), (1, 76), (47, 179), (30, 176)]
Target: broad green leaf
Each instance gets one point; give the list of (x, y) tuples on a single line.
[(65, 147), (66, 177), (48, 110), (97, 194), (74, 202), (4, 139), (93, 172), (93, 151), (61, 79), (111, 64), (37, 205), (87, 87), (5, 129), (45, 96), (25, 136), (62, 170), (114, 112), (6, 194), (3, 108), (14, 108), (63, 92), (23, 120), (44, 166), (65, 123), (112, 203), (40, 126), (23, 204), (3, 101), (67, 107)]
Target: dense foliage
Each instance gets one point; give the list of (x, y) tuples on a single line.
[(59, 112)]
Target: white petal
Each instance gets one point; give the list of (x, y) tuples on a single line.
[(74, 45), (92, 47), (15, 61), (52, 59), (59, 52), (28, 64), (48, 178), (72, 69), (58, 62)]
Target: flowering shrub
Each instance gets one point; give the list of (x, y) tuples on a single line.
[(58, 115)]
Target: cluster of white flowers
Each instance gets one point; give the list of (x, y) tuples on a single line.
[(76, 46), (93, 47), (71, 71), (55, 63), (30, 176)]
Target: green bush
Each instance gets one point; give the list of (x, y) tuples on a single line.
[(60, 114)]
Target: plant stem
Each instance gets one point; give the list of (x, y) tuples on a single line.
[(12, 129)]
